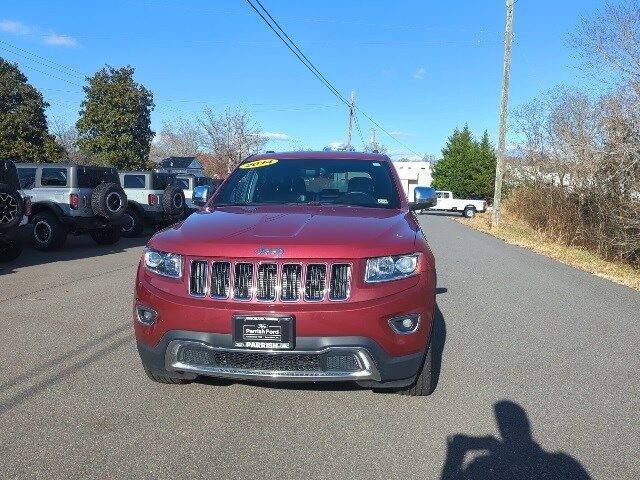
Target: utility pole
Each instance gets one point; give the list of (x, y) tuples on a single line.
[(352, 110), (374, 144), (497, 196)]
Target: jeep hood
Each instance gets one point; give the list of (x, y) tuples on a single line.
[(301, 232)]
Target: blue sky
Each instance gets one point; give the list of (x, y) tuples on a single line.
[(419, 68)]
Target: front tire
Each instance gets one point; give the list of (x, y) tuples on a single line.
[(48, 233), (423, 385), (10, 251), (106, 236)]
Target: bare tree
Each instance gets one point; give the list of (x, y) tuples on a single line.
[(230, 137), (67, 136), (613, 37), (182, 139)]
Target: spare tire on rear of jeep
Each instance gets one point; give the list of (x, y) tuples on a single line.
[(173, 200), (108, 201), (11, 207)]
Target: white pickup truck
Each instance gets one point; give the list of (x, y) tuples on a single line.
[(468, 208)]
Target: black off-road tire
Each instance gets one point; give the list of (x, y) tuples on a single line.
[(469, 212), (133, 225), (173, 202), (109, 201), (10, 250), (423, 385), (11, 207), (156, 377), (48, 233), (106, 236)]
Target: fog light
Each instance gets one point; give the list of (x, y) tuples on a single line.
[(405, 324), (146, 315)]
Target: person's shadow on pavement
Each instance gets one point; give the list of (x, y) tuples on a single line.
[(516, 456)]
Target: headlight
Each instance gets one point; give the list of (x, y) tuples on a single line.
[(162, 263), (383, 269)]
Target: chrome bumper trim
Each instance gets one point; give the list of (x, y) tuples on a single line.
[(369, 371)]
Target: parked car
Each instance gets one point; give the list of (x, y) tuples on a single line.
[(468, 208), (301, 267), (154, 199), (73, 199), (189, 182), (14, 213)]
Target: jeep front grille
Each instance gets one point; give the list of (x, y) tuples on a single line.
[(220, 279), (270, 281), (340, 281), (198, 278), (315, 282), (243, 281), (291, 275), (267, 281)]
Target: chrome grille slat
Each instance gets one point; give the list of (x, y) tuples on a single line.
[(198, 278), (267, 281), (340, 285), (243, 281), (291, 280), (315, 282), (220, 281)]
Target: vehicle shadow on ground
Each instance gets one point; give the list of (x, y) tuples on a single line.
[(58, 368), (516, 455), (437, 344), (75, 248)]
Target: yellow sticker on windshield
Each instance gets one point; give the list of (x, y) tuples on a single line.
[(259, 163)]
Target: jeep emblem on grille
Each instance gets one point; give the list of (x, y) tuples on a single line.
[(270, 251)]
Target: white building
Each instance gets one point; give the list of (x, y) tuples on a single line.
[(412, 175)]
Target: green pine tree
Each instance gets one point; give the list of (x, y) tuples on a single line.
[(115, 121), (467, 167), (23, 123)]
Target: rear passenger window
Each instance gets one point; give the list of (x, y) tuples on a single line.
[(27, 178), (133, 181), (54, 177)]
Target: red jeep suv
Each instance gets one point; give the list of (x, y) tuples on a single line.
[(307, 266)]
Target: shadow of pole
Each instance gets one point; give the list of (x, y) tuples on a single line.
[(29, 392), (515, 456)]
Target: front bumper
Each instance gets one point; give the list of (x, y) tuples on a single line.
[(186, 354), (358, 327)]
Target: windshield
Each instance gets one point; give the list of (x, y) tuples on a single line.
[(311, 181)]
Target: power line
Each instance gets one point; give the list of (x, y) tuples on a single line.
[(307, 63), (49, 74), (31, 54), (299, 55)]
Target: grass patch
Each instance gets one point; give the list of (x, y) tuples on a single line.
[(517, 232)]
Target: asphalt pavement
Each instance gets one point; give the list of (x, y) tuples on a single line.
[(539, 378)]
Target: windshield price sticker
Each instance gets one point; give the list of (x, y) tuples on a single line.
[(259, 163)]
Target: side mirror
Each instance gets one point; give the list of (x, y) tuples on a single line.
[(423, 197), (201, 195)]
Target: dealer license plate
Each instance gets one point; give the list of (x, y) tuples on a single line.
[(266, 333)]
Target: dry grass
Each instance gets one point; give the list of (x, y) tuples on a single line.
[(516, 232)]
